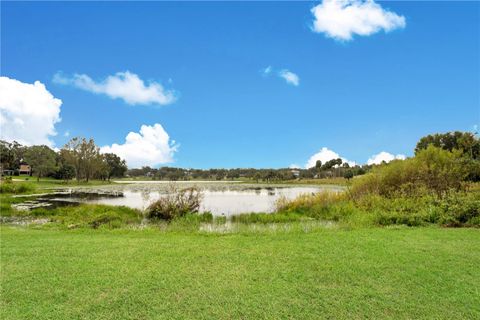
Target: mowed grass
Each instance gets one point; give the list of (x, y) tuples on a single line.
[(148, 274)]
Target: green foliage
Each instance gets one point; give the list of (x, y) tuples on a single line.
[(65, 172), (331, 163), (432, 170), (329, 206), (348, 174), (460, 210), (278, 217), (83, 155), (189, 222), (116, 167), (465, 142), (176, 203), (16, 188), (454, 209), (42, 159), (11, 154), (90, 216)]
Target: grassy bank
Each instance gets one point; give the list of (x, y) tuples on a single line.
[(45, 183), (365, 273)]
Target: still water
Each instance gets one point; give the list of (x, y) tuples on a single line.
[(219, 202)]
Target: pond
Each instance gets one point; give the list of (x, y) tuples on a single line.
[(220, 199)]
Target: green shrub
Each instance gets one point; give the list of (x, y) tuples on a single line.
[(461, 210), (432, 170), (453, 209), (220, 220), (176, 203), (456, 209)]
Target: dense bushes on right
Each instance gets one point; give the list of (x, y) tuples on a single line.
[(436, 186)]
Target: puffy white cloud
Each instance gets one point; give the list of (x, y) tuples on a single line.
[(325, 155), (341, 19), (123, 85), (294, 166), (28, 112), (289, 77), (384, 156), (150, 147)]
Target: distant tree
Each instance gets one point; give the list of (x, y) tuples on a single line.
[(65, 172), (70, 154), (42, 160), (348, 174), (6, 155), (233, 174), (11, 154), (332, 163), (84, 156), (90, 156), (101, 168), (220, 175), (116, 167), (466, 142)]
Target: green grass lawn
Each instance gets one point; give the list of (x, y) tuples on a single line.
[(119, 274)]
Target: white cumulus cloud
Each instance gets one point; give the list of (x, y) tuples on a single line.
[(28, 112), (150, 147), (289, 77), (384, 156), (341, 19), (325, 155), (123, 85)]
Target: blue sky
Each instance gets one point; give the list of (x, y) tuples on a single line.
[(357, 97)]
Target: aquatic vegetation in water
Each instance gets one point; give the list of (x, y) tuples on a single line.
[(176, 203)]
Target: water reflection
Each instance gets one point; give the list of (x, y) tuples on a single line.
[(219, 202)]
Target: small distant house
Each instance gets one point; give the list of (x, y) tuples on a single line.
[(295, 172), (6, 172), (25, 169)]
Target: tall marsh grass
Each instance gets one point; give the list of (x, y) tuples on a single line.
[(15, 187), (454, 209)]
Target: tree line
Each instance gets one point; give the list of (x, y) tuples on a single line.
[(79, 158), (266, 175)]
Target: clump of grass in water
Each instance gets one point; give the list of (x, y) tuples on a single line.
[(176, 203)]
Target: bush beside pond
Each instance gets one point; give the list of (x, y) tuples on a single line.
[(453, 209), (176, 203)]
